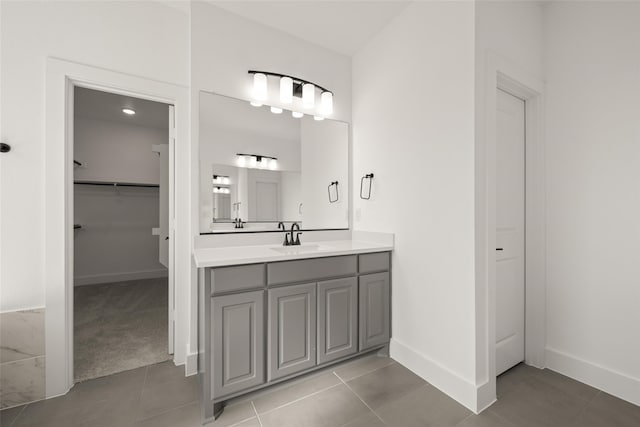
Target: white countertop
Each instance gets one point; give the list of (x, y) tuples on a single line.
[(236, 255)]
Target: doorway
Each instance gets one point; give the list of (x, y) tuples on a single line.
[(122, 298), (510, 230)]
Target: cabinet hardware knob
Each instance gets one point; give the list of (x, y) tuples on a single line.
[(4, 148)]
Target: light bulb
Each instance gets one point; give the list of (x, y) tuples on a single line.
[(297, 114), (259, 86), (326, 103), (264, 162), (318, 118), (273, 164), (286, 90), (242, 162), (253, 162), (276, 110), (255, 104), (308, 95), (128, 111)]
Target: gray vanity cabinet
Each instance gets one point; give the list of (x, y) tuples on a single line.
[(238, 342), (374, 310), (337, 319), (292, 329)]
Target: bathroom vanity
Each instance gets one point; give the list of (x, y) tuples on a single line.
[(269, 313)]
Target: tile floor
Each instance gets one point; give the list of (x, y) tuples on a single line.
[(369, 392)]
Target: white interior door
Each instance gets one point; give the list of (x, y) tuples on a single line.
[(510, 230), (163, 235)]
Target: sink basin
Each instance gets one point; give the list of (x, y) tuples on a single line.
[(301, 249)]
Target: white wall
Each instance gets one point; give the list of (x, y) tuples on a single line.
[(325, 159), (592, 56), (115, 151), (413, 127), (151, 41), (511, 33)]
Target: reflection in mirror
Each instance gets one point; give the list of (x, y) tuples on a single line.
[(263, 168)]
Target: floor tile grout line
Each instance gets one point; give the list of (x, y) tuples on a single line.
[(173, 409), (256, 411), (365, 403), (364, 373), (19, 413), (299, 399)]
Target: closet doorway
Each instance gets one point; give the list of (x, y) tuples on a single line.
[(122, 295)]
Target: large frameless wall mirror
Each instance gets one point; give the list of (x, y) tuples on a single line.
[(262, 168)]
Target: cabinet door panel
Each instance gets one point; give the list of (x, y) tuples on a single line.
[(238, 342), (374, 310), (337, 319), (292, 329)]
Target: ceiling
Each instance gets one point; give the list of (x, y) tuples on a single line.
[(95, 104), (342, 26)]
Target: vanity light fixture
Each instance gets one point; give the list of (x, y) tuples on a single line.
[(308, 95), (291, 87), (297, 114), (221, 179), (129, 111), (259, 86), (221, 190), (257, 161), (286, 90), (276, 110)]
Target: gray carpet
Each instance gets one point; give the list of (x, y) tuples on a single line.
[(119, 326)]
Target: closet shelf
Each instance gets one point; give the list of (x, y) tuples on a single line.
[(116, 184)]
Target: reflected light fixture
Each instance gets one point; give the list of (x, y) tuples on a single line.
[(129, 111), (221, 179), (291, 87), (257, 161), (318, 118), (297, 114)]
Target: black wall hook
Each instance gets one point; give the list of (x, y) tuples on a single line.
[(332, 200), (4, 148), (369, 177)]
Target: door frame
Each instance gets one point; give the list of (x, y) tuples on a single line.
[(61, 77), (502, 74)]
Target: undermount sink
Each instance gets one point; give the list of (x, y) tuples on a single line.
[(299, 249)]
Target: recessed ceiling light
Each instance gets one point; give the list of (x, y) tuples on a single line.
[(128, 111)]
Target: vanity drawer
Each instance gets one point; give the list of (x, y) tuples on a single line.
[(237, 278), (311, 269), (378, 261)]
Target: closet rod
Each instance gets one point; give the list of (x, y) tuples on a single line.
[(116, 184)]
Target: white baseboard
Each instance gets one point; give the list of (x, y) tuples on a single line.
[(438, 376), (615, 383), (191, 364), (119, 277)]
